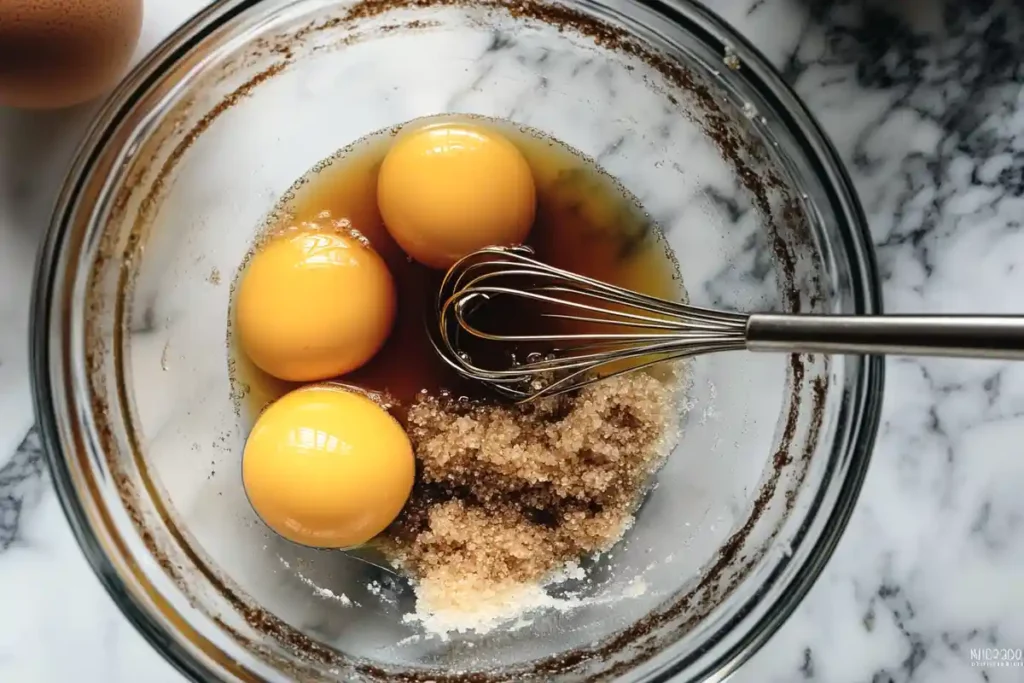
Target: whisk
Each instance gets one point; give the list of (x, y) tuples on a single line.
[(626, 330)]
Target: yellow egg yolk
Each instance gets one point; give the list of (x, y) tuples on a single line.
[(448, 189), (327, 467), (314, 305)]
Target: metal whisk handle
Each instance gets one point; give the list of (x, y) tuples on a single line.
[(963, 336), (615, 330)]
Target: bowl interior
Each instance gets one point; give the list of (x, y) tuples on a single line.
[(207, 149)]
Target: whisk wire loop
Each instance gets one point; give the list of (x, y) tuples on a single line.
[(649, 330)]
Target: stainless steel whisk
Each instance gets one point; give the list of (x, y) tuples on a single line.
[(645, 330)]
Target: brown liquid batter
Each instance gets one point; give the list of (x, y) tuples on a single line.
[(586, 223)]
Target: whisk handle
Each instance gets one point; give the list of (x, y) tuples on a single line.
[(963, 336)]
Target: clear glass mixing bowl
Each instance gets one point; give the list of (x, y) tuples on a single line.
[(130, 364)]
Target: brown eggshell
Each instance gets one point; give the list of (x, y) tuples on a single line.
[(57, 53)]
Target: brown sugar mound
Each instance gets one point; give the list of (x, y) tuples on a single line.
[(505, 495)]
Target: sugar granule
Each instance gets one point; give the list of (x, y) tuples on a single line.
[(508, 495)]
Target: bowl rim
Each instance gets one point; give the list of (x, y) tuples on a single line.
[(866, 402)]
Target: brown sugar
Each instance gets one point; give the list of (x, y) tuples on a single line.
[(506, 495)]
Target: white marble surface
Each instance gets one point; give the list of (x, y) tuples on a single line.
[(924, 100)]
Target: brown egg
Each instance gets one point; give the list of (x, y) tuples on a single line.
[(56, 53)]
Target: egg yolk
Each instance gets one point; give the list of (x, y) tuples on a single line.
[(327, 467), (314, 305), (448, 189)]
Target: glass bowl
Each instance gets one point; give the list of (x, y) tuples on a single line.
[(130, 364)]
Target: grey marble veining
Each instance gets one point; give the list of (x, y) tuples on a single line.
[(22, 482), (924, 101)]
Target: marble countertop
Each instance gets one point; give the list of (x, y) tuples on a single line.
[(924, 101)]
